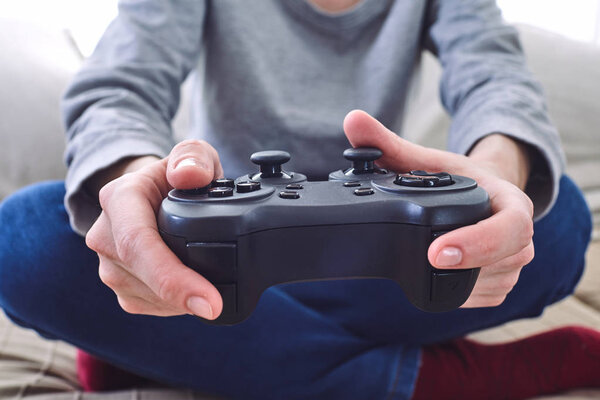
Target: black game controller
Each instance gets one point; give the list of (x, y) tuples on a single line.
[(273, 227)]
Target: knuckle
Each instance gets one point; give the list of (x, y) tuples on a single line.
[(192, 142), (168, 289), (530, 253), (525, 227), (530, 206), (130, 305), (190, 145), (105, 194), (526, 255), (92, 241), (94, 237), (128, 245), (132, 181), (109, 275)]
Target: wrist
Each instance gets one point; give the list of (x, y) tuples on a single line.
[(507, 157)]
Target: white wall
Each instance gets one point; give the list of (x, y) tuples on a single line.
[(577, 19)]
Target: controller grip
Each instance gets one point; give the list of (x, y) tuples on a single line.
[(241, 272)]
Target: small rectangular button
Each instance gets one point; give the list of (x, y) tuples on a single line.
[(217, 262), (449, 285)]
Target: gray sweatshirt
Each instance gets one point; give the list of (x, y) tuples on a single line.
[(281, 74)]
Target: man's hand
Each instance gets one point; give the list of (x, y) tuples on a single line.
[(501, 244), (134, 261)]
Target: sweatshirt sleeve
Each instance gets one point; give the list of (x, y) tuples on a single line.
[(487, 88), (120, 104)]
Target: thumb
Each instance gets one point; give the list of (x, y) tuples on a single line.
[(399, 154), (192, 164)]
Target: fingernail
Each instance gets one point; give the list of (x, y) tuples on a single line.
[(448, 257), (200, 307), (187, 162)]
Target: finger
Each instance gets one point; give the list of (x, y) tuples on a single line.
[(502, 235), (399, 154), (124, 283), (503, 275), (192, 164), (99, 237), (484, 301), (138, 305), (511, 263), (497, 284), (146, 256)]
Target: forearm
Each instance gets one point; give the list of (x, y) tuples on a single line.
[(508, 158)]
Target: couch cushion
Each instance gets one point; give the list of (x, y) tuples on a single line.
[(36, 64)]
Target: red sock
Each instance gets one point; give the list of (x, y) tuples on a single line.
[(96, 375), (547, 363)]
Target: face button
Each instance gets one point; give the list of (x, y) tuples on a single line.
[(294, 186), (224, 182), (247, 186), (364, 191), (289, 195), (220, 192), (408, 180), (430, 181), (442, 178), (352, 184)]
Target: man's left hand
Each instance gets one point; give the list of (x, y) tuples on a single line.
[(501, 244)]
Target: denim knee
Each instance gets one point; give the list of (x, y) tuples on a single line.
[(36, 242), (14, 251), (561, 239)]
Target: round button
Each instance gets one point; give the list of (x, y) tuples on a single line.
[(430, 181), (352, 184), (424, 179), (364, 191), (223, 182), (220, 192), (289, 195), (247, 186), (409, 180), (294, 186)]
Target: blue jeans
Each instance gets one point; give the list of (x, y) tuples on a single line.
[(353, 339)]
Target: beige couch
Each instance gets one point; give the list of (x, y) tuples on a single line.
[(37, 65)]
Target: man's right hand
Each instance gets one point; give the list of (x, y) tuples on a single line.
[(134, 261)]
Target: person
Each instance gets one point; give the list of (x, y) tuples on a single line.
[(285, 74)]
